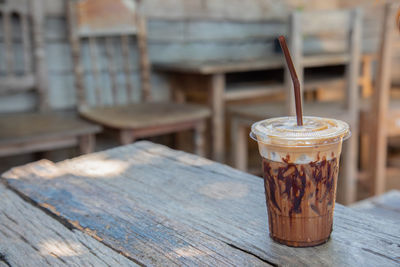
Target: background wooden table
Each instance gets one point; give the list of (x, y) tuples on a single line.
[(157, 206)]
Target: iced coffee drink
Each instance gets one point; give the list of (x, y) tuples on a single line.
[(300, 165)]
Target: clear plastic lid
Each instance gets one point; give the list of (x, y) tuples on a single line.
[(283, 131)]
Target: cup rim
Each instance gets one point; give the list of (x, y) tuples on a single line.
[(262, 132), (328, 142)]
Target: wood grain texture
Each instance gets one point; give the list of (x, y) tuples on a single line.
[(161, 207), (383, 206), (30, 237)]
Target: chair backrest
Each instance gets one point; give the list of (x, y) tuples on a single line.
[(380, 100), (102, 34), (339, 33), (22, 62)]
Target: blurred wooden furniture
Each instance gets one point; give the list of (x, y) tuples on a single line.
[(161, 207), (345, 23), (102, 24), (386, 206), (366, 77), (381, 118), (22, 24), (211, 77)]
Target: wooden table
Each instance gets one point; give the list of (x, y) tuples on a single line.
[(210, 75), (145, 204), (386, 205)]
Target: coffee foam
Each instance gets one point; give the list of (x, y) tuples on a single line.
[(300, 155)]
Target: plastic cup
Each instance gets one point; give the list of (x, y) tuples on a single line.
[(300, 165)]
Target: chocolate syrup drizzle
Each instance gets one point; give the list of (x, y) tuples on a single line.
[(294, 178), (269, 179)]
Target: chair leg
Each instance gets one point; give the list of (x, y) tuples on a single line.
[(199, 138), (347, 184), (239, 144), (126, 137), (364, 151), (87, 143)]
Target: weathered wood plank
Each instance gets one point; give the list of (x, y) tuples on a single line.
[(334, 20), (386, 206), (16, 84), (111, 68), (7, 29), (29, 237), (220, 10), (128, 195), (145, 235), (26, 44), (213, 31), (201, 51), (95, 69), (55, 7), (126, 58), (56, 29), (57, 52)]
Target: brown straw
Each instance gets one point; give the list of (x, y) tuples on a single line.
[(296, 83)]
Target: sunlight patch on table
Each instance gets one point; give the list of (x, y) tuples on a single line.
[(105, 168), (58, 248)]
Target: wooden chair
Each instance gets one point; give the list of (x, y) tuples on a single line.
[(345, 23), (22, 24), (100, 25), (380, 119)]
